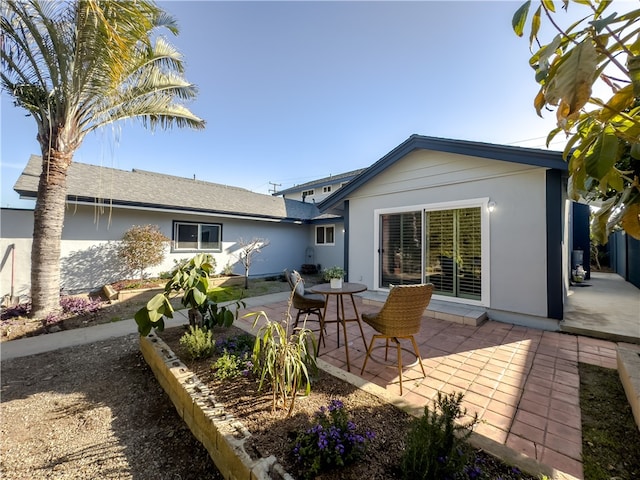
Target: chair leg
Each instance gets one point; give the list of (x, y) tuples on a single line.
[(295, 325), (417, 352), (366, 358), (386, 349), (399, 353)]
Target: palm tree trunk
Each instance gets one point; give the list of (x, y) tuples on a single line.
[(47, 233)]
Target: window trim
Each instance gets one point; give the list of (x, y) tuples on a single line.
[(326, 189), (325, 243), (174, 241), (484, 235), (307, 193)]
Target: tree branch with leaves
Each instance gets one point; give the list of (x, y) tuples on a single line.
[(603, 148)]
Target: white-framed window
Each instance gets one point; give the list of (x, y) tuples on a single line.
[(443, 244), (307, 193), (326, 189), (325, 235), (343, 184), (189, 236)]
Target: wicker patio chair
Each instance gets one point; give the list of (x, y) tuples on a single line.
[(306, 302), (398, 319)]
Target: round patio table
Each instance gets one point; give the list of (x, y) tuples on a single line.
[(339, 294)]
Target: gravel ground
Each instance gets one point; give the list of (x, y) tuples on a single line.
[(93, 411)]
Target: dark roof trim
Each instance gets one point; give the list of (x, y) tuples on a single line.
[(507, 153)]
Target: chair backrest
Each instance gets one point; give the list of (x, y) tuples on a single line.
[(295, 281), (405, 305)]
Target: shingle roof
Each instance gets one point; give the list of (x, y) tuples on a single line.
[(139, 188), (346, 176)]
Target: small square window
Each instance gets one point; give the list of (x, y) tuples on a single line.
[(326, 189), (325, 235)]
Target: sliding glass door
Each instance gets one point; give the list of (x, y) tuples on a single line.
[(443, 247), (401, 249)]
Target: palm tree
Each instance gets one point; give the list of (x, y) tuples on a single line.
[(76, 66)]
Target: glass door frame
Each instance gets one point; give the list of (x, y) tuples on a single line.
[(485, 243)]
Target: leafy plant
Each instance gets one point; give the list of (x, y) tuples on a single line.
[(198, 342), (236, 344), (19, 310), (232, 365), (331, 442), (236, 357), (80, 305), (436, 446), (603, 151), (334, 272), (192, 280), (143, 247), (284, 358)]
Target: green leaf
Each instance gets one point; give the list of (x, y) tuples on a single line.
[(603, 22), (603, 156), (199, 296), (535, 25), (520, 18), (549, 5), (154, 315), (631, 220), (227, 318), (156, 302), (144, 323), (635, 151), (633, 63), (572, 81), (620, 101)]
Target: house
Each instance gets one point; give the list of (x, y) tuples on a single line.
[(103, 203), (318, 190), (488, 225)]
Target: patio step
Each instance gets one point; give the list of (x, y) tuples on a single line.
[(629, 371), (449, 311)]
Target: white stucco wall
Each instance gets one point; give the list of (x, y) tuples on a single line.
[(16, 229), (90, 237), (516, 266)]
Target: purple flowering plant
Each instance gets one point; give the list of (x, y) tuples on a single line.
[(332, 441), (235, 357)]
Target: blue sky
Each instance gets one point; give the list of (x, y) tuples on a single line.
[(293, 91)]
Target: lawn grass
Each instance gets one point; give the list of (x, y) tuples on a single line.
[(610, 436)]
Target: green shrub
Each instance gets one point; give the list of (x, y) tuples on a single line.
[(143, 247), (235, 359), (232, 365), (436, 446), (331, 442), (198, 343)]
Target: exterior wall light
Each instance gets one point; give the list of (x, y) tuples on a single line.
[(491, 206)]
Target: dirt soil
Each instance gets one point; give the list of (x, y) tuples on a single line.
[(273, 433), (93, 412), (21, 326)]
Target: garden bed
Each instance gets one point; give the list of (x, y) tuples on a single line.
[(272, 434)]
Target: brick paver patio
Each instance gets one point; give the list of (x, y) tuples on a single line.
[(523, 383)]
